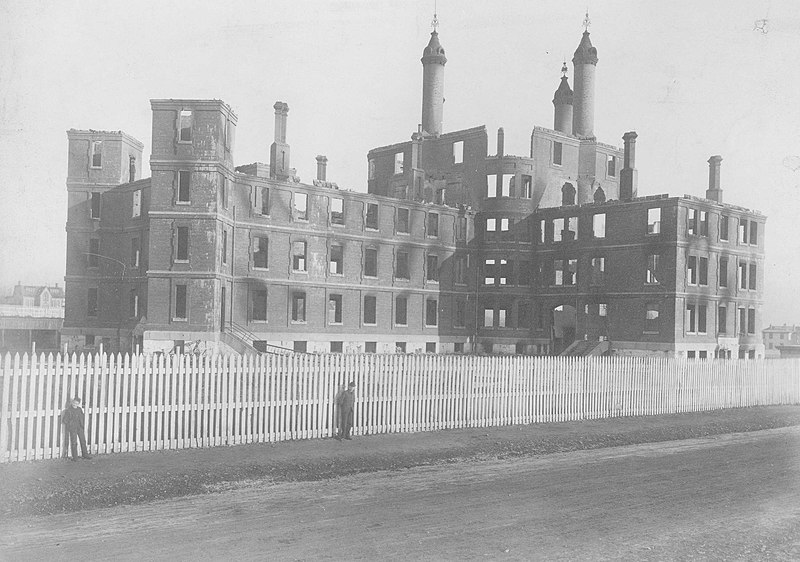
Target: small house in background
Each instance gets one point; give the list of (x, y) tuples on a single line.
[(31, 318)]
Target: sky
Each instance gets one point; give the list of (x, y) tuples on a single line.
[(692, 78)]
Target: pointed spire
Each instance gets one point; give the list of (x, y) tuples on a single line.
[(564, 92), (586, 22), (585, 53)]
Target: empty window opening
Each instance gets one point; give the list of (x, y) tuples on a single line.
[(432, 269), (97, 154), (723, 228), (431, 312), (180, 302), (743, 275), (402, 221), (261, 252), (599, 225), (491, 228), (137, 203), (334, 309), (598, 271), (186, 126), (184, 186), (398, 162), (502, 315), (371, 220), (489, 271), (135, 252), (298, 307), (337, 211), (506, 276), (701, 319), (336, 265), (558, 149), (458, 152), (654, 220), (491, 185), (371, 262), (301, 206), (401, 311), (751, 320), (370, 310), (264, 206), (752, 281), (505, 186), (182, 249), (743, 236), (602, 309), (224, 246), (488, 317), (754, 233), (653, 269), (401, 266), (691, 318), (612, 165), (703, 271), (433, 225), (526, 189), (299, 256), (691, 270), (259, 312), (722, 319), (723, 271), (558, 230), (134, 303), (703, 220)]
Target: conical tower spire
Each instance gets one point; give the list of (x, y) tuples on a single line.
[(562, 100)]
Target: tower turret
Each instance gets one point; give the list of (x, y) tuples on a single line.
[(433, 61), (562, 100), (585, 65)]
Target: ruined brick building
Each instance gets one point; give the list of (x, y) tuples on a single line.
[(451, 250)]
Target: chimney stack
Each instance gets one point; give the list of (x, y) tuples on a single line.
[(279, 151), (322, 165), (501, 136), (629, 177), (714, 191)]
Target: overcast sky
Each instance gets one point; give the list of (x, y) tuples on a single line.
[(693, 78)]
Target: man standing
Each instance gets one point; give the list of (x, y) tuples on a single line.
[(73, 420), (345, 401)]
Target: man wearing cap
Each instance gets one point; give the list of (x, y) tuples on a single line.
[(345, 401)]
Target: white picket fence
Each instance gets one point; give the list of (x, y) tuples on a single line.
[(145, 403)]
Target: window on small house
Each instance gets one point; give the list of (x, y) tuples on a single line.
[(460, 270), (488, 317), (754, 233), (298, 307), (651, 317), (752, 281), (401, 311), (743, 275), (370, 347), (135, 252), (93, 255), (184, 186), (371, 262), (398, 162), (336, 346), (526, 189), (691, 270), (743, 235), (557, 153), (299, 256), (186, 126), (371, 220), (261, 252), (97, 154), (224, 246), (401, 266), (433, 225), (653, 263), (723, 227), (180, 302), (567, 194), (300, 201), (336, 263), (432, 268), (95, 210), (489, 271), (654, 220), (337, 210), (334, 309), (703, 226), (612, 165), (751, 320), (91, 302), (264, 203), (460, 317), (598, 271), (703, 271), (133, 299), (599, 225), (491, 185), (259, 311), (137, 203), (558, 230), (722, 319), (402, 221), (723, 271), (691, 318), (182, 246), (370, 310), (701, 318), (458, 152)]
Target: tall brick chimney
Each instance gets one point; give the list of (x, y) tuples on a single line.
[(714, 191), (279, 151), (629, 177), (322, 165), (501, 141)]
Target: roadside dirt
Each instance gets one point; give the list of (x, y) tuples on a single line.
[(48, 487)]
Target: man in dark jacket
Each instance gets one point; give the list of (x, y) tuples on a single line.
[(345, 402), (73, 420)]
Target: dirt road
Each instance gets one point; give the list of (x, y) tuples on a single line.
[(729, 497)]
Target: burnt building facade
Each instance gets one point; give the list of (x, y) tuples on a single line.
[(452, 249)]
